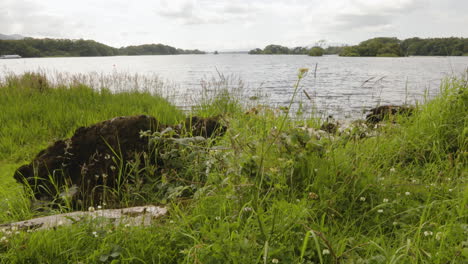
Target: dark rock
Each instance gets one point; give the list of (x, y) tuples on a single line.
[(90, 160), (383, 112), (205, 127)]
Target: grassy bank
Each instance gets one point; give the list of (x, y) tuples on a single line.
[(273, 190)]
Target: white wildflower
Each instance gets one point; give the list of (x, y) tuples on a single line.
[(427, 233), (99, 207), (4, 239), (407, 193), (107, 156), (60, 223), (380, 211), (395, 223), (450, 190), (392, 169), (385, 200), (362, 199), (95, 234), (91, 209), (248, 209), (217, 218), (274, 261), (438, 235), (325, 252), (112, 167)]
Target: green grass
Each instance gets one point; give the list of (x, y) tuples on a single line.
[(270, 193)]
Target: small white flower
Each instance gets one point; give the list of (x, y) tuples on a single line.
[(438, 235), (60, 223), (171, 221), (217, 218), (407, 193), (395, 223), (91, 209), (29, 230), (112, 167), (107, 156), (427, 233), (127, 225), (104, 204), (99, 207), (325, 252), (17, 232), (4, 239), (392, 169), (95, 234), (385, 200), (315, 170), (380, 211), (362, 199), (274, 261), (414, 181), (104, 175), (248, 209), (450, 190)]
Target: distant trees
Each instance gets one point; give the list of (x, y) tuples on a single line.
[(435, 47), (31, 47), (278, 49), (393, 47), (316, 51)]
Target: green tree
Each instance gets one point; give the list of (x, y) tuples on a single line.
[(316, 51)]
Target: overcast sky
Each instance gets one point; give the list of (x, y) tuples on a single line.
[(233, 24)]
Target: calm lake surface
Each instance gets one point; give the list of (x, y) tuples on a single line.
[(340, 86)]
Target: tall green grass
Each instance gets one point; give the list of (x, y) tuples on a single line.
[(34, 112), (275, 193)]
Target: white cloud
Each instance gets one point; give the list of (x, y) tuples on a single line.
[(233, 24)]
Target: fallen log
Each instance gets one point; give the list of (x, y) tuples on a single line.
[(133, 216)]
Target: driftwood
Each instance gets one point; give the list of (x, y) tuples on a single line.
[(133, 216)]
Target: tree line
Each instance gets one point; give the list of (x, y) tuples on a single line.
[(381, 47), (393, 47), (31, 47), (278, 49)]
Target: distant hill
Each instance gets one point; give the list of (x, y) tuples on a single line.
[(11, 37), (31, 47)]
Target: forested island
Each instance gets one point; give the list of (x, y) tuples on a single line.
[(393, 47), (32, 47), (278, 49), (381, 47)]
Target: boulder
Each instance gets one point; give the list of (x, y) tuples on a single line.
[(378, 114), (81, 168)]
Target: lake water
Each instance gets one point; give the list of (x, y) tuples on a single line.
[(340, 86)]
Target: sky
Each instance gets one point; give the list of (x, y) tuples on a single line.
[(230, 25)]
